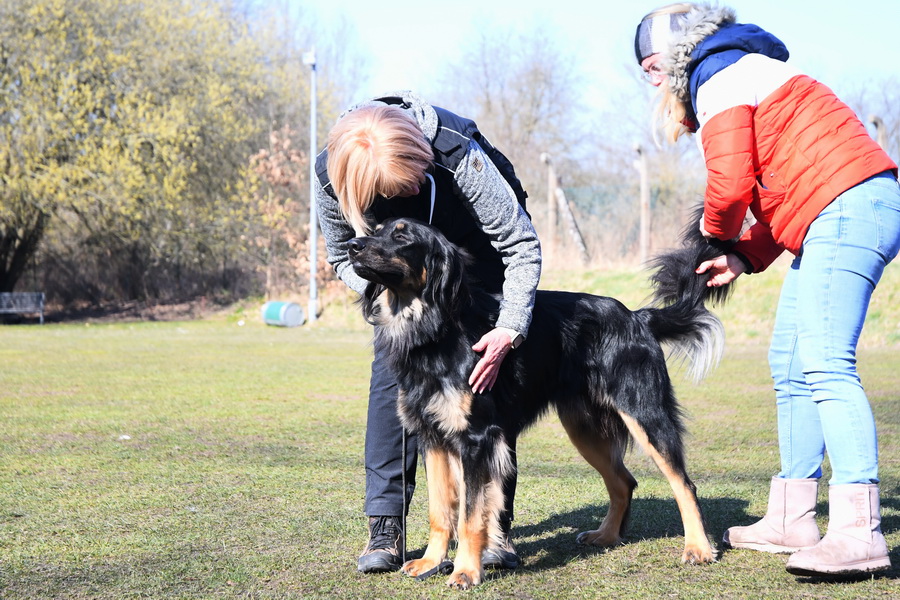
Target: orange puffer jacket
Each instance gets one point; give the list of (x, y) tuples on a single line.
[(781, 144)]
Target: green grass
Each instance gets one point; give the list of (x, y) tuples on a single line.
[(212, 460)]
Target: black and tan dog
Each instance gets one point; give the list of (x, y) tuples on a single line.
[(598, 363)]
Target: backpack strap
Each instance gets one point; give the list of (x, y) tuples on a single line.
[(452, 142), (322, 173)]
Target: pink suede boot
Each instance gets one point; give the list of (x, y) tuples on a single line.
[(790, 521), (853, 543)]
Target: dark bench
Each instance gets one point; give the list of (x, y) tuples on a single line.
[(22, 302)]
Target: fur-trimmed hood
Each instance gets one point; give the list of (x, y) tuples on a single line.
[(709, 31), (699, 23)]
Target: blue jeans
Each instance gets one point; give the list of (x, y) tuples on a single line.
[(821, 404)]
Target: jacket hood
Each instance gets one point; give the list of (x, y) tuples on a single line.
[(412, 103), (713, 33), (699, 23)]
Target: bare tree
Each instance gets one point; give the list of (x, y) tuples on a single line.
[(878, 105), (520, 86), (526, 92), (517, 85)]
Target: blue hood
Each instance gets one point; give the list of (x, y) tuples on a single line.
[(728, 45)]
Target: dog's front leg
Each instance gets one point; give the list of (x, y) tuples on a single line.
[(473, 537), (443, 473), (480, 505)]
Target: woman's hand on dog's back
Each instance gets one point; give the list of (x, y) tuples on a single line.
[(493, 347)]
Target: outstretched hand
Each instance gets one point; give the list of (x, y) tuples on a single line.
[(722, 269), (493, 346)]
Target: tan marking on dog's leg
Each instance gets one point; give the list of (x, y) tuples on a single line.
[(475, 523), (697, 548), (443, 474), (605, 456)]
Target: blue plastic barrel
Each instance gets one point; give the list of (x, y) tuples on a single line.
[(282, 314)]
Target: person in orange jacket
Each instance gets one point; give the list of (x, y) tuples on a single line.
[(780, 145)]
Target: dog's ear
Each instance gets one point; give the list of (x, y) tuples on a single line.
[(445, 276), (368, 302)]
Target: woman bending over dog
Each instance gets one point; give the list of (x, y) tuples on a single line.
[(780, 144), (398, 156)]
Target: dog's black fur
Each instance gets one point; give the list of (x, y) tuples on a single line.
[(599, 364)]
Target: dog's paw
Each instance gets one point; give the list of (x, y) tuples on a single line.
[(698, 555), (420, 566), (598, 537), (464, 580)]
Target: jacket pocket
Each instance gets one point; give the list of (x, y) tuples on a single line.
[(770, 194)]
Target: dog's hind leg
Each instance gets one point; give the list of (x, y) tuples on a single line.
[(697, 548), (605, 455), (443, 472)]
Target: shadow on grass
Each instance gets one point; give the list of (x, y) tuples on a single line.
[(553, 539), (650, 518)]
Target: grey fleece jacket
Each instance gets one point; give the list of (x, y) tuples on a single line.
[(484, 192)]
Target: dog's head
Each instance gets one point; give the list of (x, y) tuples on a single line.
[(414, 263)]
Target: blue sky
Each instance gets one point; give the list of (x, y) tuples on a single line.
[(839, 42)]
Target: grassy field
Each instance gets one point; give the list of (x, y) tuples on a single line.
[(215, 459)]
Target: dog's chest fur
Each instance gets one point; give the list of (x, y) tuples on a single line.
[(430, 357), (400, 318)]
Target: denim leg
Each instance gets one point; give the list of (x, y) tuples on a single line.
[(844, 255), (800, 439), (384, 447)]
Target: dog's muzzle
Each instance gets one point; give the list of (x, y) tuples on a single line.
[(355, 246)]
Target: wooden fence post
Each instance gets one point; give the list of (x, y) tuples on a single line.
[(641, 165)]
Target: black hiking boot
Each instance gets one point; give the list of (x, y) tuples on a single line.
[(382, 553), (503, 556)]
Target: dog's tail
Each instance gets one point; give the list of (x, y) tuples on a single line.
[(678, 315)]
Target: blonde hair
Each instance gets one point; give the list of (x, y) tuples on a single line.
[(375, 150), (669, 116)]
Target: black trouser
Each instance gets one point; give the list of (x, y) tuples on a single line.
[(384, 462)]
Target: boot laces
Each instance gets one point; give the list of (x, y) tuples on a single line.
[(386, 531)]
